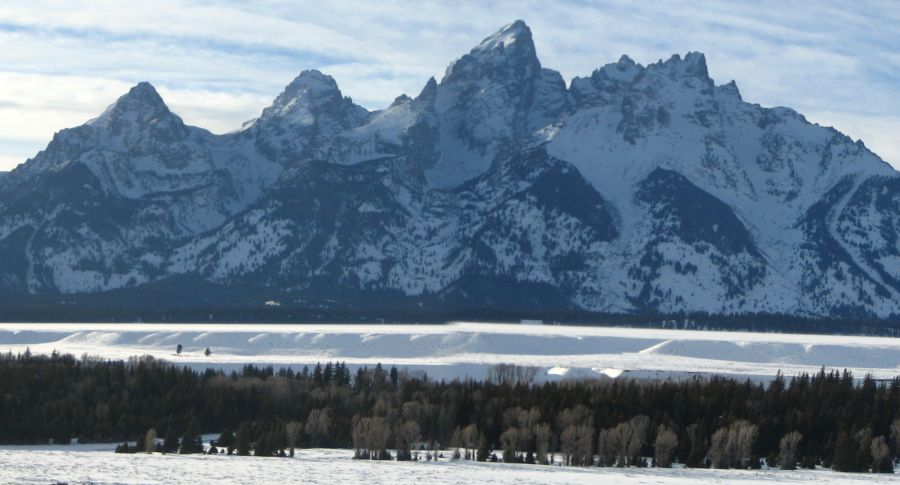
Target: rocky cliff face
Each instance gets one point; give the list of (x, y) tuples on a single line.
[(636, 189)]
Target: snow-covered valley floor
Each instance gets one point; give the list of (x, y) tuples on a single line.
[(470, 349), (444, 351), (75, 464)]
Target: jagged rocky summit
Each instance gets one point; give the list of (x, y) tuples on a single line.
[(636, 189)]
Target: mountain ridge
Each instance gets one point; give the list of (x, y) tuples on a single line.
[(636, 189)]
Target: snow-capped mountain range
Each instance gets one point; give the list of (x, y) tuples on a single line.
[(635, 189)]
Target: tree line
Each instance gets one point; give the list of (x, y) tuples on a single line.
[(189, 302), (827, 419)]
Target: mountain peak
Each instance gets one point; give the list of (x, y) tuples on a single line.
[(626, 61), (692, 65), (143, 89), (506, 37), (308, 97), (141, 96), (312, 79), (309, 89), (309, 111), (141, 105), (510, 50)]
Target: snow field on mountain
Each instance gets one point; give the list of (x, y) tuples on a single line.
[(470, 349), (98, 464)]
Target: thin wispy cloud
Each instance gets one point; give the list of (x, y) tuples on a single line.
[(218, 64)]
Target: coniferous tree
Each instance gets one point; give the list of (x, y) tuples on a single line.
[(395, 377), (139, 444), (483, 451), (123, 397), (242, 440), (699, 447), (170, 441), (845, 454), (226, 439), (190, 442)]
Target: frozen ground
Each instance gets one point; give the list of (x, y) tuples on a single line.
[(469, 349), (330, 467)]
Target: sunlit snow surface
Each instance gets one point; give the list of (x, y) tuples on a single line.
[(443, 351), (470, 349), (49, 464)]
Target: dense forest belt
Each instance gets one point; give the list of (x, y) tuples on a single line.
[(828, 419), (113, 307)]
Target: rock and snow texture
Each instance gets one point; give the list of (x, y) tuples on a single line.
[(635, 189)]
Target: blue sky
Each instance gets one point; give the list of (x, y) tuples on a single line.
[(218, 64)]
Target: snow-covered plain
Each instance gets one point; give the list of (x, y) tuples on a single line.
[(443, 351), (470, 349), (316, 466)]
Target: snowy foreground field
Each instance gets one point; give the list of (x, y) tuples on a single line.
[(470, 349), (98, 464)]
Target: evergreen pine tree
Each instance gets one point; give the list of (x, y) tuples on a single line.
[(483, 452), (845, 451), (226, 439), (242, 440), (170, 441), (190, 442)]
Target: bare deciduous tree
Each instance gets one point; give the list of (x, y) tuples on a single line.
[(637, 428), (318, 424), (576, 416), (731, 447), (378, 438), (863, 438), (509, 441), (787, 456), (407, 436), (895, 436), (469, 438), (718, 449), (575, 443), (607, 447), (584, 440), (881, 462), (664, 446), (511, 374), (622, 444), (577, 425), (370, 436), (150, 441), (746, 434), (542, 436), (567, 444), (292, 433), (529, 418), (528, 421)]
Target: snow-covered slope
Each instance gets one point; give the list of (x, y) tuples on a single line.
[(736, 174), (104, 204), (635, 189), (470, 349)]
